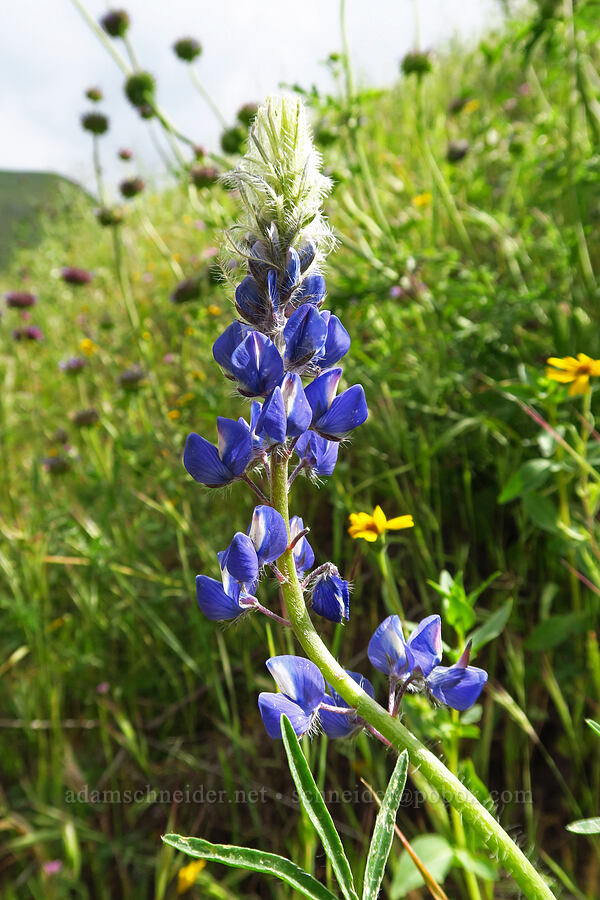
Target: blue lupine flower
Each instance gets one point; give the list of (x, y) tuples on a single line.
[(334, 417), (216, 466), (240, 559), (227, 343), (425, 644), (292, 273), (337, 342), (285, 412), (331, 596), (302, 691), (255, 303), (305, 335), (268, 534), (388, 650), (259, 443), (303, 553), (306, 254), (457, 686), (222, 600), (257, 365), (317, 453), (311, 290), (338, 725)]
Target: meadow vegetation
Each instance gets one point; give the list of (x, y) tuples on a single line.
[(466, 203)]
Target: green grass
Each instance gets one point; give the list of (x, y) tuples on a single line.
[(110, 677)]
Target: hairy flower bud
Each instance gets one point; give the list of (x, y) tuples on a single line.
[(203, 176), (187, 49), (125, 154), (115, 22), (94, 122), (83, 418), (232, 140)]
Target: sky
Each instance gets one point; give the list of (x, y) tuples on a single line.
[(49, 56)]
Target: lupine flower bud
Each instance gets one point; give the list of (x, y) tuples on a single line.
[(73, 365), (416, 63), (232, 140), (187, 49), (331, 595), (139, 89), (203, 176), (188, 289), (94, 122), (131, 187), (29, 333), (115, 22), (76, 276), (125, 154), (94, 94), (457, 150), (20, 299), (246, 114), (83, 418)]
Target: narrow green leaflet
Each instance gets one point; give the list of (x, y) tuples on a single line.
[(317, 811), (594, 726), (585, 826), (383, 833), (254, 861)]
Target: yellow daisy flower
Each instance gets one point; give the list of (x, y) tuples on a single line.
[(422, 200), (575, 372), (173, 414), (370, 527), (87, 346), (186, 877)]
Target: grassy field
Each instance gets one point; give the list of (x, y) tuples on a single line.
[(457, 278)]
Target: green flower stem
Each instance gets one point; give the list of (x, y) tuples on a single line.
[(490, 832)]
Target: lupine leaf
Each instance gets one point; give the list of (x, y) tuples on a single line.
[(585, 826), (317, 811), (254, 861), (383, 832)]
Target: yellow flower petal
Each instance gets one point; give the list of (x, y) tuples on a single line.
[(186, 877), (361, 518), (563, 377), (379, 519), (370, 536), (568, 362), (581, 385), (400, 522)]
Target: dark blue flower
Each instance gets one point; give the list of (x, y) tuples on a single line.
[(305, 334), (337, 342), (268, 534), (253, 303), (341, 725), (224, 600), (303, 553), (388, 650), (227, 343), (317, 453), (216, 466), (331, 596), (457, 686), (334, 417), (425, 644), (311, 290), (292, 273), (285, 412), (257, 365), (302, 691), (241, 560)]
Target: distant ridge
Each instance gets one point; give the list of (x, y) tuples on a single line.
[(27, 199)]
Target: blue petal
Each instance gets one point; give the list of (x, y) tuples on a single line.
[(225, 345), (268, 534), (387, 650), (297, 410), (214, 602), (299, 679), (426, 644), (273, 706), (305, 334), (273, 289), (249, 302), (259, 443), (306, 254), (318, 453), (337, 342), (201, 459), (258, 261), (336, 725), (292, 272), (272, 422), (303, 553), (235, 445), (257, 365), (312, 290), (321, 392), (241, 560), (456, 686), (331, 598), (346, 412)]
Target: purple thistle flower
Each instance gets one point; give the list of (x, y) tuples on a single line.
[(76, 276), (28, 333), (20, 299)]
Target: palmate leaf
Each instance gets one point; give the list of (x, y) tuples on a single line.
[(317, 811), (383, 832), (253, 861)]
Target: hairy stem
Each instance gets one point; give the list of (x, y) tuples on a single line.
[(490, 832)]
